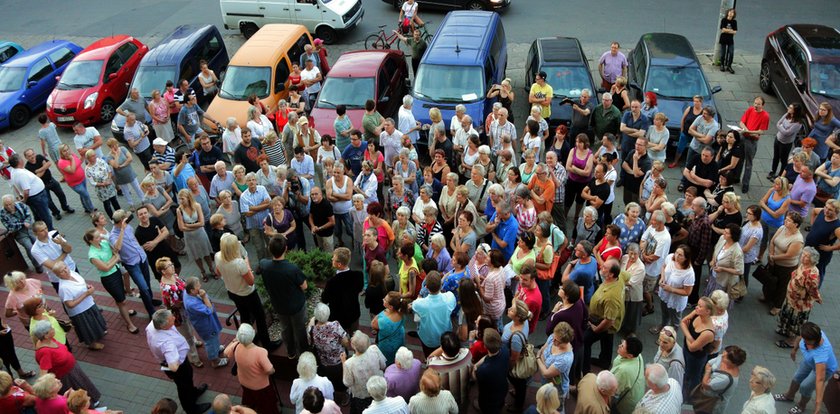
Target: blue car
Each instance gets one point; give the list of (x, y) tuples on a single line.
[(27, 79), (8, 50)]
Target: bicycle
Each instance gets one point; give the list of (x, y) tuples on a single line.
[(382, 40)]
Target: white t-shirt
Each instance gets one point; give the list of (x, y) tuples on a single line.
[(24, 179), (259, 129), (86, 140), (72, 289), (230, 139), (409, 9), (658, 243), (610, 177), (391, 145), (307, 75), (232, 275), (406, 122), (678, 278)]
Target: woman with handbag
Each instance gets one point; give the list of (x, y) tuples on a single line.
[(572, 311), (253, 370), (783, 257), (720, 379), (802, 292), (329, 341), (727, 265), (515, 338), (698, 342), (556, 358)]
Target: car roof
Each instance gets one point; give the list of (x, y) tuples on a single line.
[(170, 51), (102, 48), (360, 63), (40, 50), (820, 40), (464, 31), (669, 49), (560, 50), (265, 46)]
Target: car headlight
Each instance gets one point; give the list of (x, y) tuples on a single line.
[(49, 101), (91, 100), (114, 128)]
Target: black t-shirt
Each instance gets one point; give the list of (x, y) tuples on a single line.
[(705, 171), (491, 377), (631, 181), (726, 155), (247, 156), (282, 280), (446, 147), (602, 191), (147, 234), (724, 219), (209, 158), (39, 162), (215, 236), (321, 213), (728, 38)]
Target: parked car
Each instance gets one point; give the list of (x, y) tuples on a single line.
[(358, 76), (176, 57), (563, 61), (801, 64), (95, 82), (665, 64), (28, 78), (9, 50), (326, 18), (458, 4), (260, 67)]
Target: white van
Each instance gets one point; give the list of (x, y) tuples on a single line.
[(326, 19)]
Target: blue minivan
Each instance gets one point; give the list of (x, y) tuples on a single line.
[(467, 55), (176, 57)]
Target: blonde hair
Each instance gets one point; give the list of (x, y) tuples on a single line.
[(548, 399), (237, 168), (661, 117), (733, 198), (44, 387), (521, 310), (77, 401), (12, 279), (215, 219), (784, 186), (185, 192), (148, 182), (435, 115)]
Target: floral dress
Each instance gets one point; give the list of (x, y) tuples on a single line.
[(629, 234), (99, 173), (173, 298), (802, 291), (326, 338)]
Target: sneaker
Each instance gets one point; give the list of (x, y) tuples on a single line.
[(57, 217), (771, 176), (732, 71), (69, 210)]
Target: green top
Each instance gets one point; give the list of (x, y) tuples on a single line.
[(60, 335), (608, 303), (104, 253), (417, 47), (606, 120), (630, 374), (369, 124), (516, 263)]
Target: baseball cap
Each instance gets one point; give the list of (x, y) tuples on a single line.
[(317, 41), (160, 141)]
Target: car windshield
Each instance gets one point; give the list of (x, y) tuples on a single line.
[(441, 83), (351, 92), (149, 78), (11, 78), (825, 79), (81, 74), (567, 81), (243, 81), (677, 82)]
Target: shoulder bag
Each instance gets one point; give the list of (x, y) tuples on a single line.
[(526, 366), (704, 403)]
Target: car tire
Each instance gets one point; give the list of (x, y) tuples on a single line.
[(107, 111), (327, 34), (248, 29), (475, 5), (18, 116), (764, 81)]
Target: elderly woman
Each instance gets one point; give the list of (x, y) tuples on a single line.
[(366, 183), (190, 217), (229, 209), (486, 163), (470, 157), (407, 170), (119, 158), (200, 196), (158, 202), (761, 399), (232, 136), (587, 227), (727, 265), (632, 263), (99, 173), (437, 252), (783, 255), (631, 225), (54, 358), (267, 175), (102, 256), (649, 180), (366, 362), (258, 123), (528, 168), (432, 399), (77, 296), (79, 402), (46, 389), (20, 290), (675, 284), (492, 287), (36, 308), (425, 200), (556, 358), (523, 208), (281, 221), (70, 167), (401, 225), (669, 354), (403, 376), (398, 196), (802, 292), (684, 205), (478, 266), (447, 202), (330, 342), (254, 371), (239, 183), (497, 194), (308, 377)]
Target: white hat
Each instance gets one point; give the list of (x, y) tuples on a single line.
[(160, 141)]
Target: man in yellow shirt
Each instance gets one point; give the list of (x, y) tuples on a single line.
[(541, 94)]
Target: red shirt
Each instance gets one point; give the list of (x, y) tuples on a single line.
[(532, 298), (58, 361), (478, 351), (755, 121), (13, 403), (606, 251)]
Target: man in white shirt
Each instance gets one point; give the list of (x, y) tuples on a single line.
[(407, 123), (462, 135), (391, 142), (498, 127), (664, 395), (30, 189), (303, 164), (87, 139), (221, 181), (47, 251), (654, 246), (311, 78), (377, 387)]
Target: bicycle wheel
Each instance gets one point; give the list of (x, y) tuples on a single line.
[(375, 41), (401, 46)]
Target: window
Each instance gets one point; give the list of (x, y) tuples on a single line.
[(61, 56), (211, 48), (127, 50), (795, 58), (297, 49), (489, 64), (641, 69), (39, 70), (281, 74), (532, 52), (390, 67), (6, 53), (189, 68), (114, 64), (384, 84)]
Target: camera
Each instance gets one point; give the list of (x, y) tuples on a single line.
[(294, 186)]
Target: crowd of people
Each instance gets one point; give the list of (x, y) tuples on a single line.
[(479, 234)]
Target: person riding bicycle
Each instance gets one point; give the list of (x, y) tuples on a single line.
[(409, 17)]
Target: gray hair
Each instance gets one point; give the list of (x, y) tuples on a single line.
[(321, 313), (453, 176), (250, 175), (478, 168), (812, 252), (460, 108), (8, 198), (606, 382), (403, 210), (496, 189), (503, 207), (437, 239), (522, 191), (590, 211), (245, 334), (377, 387), (630, 205), (307, 367), (360, 342), (632, 248), (497, 105), (427, 189), (41, 329), (404, 358), (668, 208), (231, 122), (398, 178), (408, 100), (606, 96), (404, 152), (160, 318), (657, 375), (484, 149), (765, 377), (659, 216), (720, 299), (585, 91), (700, 202)]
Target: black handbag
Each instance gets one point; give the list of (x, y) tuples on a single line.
[(762, 273), (234, 370)]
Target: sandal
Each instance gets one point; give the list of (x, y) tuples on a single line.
[(27, 374), (781, 397), (795, 410), (132, 312), (198, 364), (783, 344), (134, 331)]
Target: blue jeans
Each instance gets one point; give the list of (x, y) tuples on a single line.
[(140, 275), (343, 224), (683, 142), (211, 346), (40, 205), (806, 377), (81, 190)]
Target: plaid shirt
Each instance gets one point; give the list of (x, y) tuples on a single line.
[(15, 221), (700, 238), (560, 183)]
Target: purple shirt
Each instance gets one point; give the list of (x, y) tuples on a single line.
[(167, 345), (802, 191), (403, 382), (612, 65), (131, 253)]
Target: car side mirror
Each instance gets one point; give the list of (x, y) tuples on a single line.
[(112, 76), (716, 89), (31, 84), (384, 99)]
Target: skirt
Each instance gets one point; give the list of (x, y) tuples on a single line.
[(263, 401), (77, 379), (197, 244), (790, 320), (90, 325)]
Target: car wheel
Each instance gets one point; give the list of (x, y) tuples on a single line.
[(764, 81), (475, 5), (327, 34), (107, 111), (19, 116), (248, 30)]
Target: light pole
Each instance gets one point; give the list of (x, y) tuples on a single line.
[(725, 5)]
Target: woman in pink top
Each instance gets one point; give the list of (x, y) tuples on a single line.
[(385, 235), (492, 288), (580, 166), (253, 371), (78, 402), (159, 109), (48, 400), (20, 289), (71, 168)]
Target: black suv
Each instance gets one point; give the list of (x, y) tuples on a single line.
[(801, 64), (457, 4), (567, 72), (665, 64)]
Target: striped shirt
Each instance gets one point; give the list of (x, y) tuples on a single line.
[(668, 402), (389, 405), (454, 374), (168, 156), (440, 404), (248, 199)]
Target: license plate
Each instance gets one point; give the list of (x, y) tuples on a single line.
[(65, 118)]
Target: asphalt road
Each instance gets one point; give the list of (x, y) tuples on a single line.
[(593, 22)]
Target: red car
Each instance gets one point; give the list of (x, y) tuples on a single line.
[(96, 82), (356, 77)]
